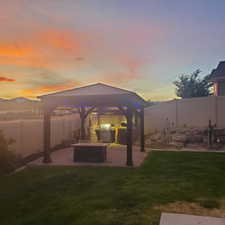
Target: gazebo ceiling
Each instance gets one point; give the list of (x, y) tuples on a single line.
[(94, 95)]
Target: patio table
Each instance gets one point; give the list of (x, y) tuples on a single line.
[(89, 152)]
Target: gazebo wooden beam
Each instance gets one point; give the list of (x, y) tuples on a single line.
[(129, 136), (82, 123), (136, 119), (142, 130), (122, 110), (89, 111)]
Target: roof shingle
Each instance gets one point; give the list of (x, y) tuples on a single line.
[(219, 72)]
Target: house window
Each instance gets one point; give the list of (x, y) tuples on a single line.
[(222, 88)]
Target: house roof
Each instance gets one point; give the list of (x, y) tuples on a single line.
[(95, 94), (219, 72)]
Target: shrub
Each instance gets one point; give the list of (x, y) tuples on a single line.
[(210, 204), (9, 161)]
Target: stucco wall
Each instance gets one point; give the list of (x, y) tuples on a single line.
[(194, 112)]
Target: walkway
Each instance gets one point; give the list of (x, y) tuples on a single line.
[(116, 156)]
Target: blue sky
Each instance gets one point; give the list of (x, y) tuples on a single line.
[(50, 45)]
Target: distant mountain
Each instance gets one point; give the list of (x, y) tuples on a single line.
[(20, 100), (17, 100), (3, 100)]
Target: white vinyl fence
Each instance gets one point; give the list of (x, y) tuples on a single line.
[(193, 112), (28, 134)]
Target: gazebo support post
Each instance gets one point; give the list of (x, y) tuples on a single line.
[(129, 136), (142, 129), (136, 121), (82, 123), (47, 136)]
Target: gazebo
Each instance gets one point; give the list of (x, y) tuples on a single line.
[(88, 98)]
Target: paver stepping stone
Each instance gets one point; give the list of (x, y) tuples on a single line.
[(183, 219)]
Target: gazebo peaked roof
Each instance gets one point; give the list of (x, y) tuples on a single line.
[(95, 94)]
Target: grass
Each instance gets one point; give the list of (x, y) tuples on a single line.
[(112, 196)]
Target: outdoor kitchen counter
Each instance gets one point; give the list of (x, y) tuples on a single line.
[(89, 152)]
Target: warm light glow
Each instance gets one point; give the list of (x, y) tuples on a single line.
[(105, 126)]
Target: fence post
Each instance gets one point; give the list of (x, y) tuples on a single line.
[(21, 135), (216, 110), (210, 132), (176, 112)]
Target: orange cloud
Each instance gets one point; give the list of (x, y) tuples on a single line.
[(48, 49), (13, 49), (49, 88), (6, 79)]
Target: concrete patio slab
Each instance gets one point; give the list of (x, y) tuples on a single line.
[(183, 219), (116, 156)]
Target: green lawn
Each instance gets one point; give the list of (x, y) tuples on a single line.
[(115, 196)]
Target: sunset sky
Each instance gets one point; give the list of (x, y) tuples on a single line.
[(50, 45)]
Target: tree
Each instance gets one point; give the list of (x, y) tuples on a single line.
[(191, 85), (8, 160)]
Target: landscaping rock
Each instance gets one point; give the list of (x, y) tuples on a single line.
[(177, 145), (155, 137), (195, 139), (148, 141), (179, 138)]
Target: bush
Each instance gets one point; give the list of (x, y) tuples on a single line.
[(210, 204), (9, 161)]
